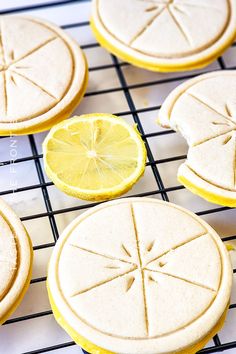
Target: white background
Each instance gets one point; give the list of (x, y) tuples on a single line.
[(41, 332)]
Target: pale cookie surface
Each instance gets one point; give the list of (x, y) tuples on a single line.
[(42, 72), (15, 261), (204, 111), (141, 276), (8, 257), (165, 33)]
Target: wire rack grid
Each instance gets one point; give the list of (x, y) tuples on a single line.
[(136, 95)]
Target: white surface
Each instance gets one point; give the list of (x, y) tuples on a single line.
[(37, 333)]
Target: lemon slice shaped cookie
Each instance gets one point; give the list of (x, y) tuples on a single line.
[(203, 109), (140, 276), (165, 35), (43, 75), (15, 261), (94, 156)]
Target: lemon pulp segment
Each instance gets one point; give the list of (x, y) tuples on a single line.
[(94, 157)]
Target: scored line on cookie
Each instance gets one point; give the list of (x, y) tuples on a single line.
[(102, 255)]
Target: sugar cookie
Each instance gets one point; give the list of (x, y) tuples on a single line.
[(165, 35), (43, 75), (140, 276), (203, 109), (15, 261)]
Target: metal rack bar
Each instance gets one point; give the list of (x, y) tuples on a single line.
[(154, 164), (44, 189), (139, 126), (38, 6)]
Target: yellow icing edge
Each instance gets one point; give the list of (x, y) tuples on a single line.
[(78, 339), (230, 247), (25, 288), (158, 67), (210, 197), (94, 349)]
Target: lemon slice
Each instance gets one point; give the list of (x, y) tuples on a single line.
[(94, 156)]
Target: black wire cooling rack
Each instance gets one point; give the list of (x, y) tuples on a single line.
[(158, 190)]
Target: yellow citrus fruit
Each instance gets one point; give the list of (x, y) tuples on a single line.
[(94, 156)]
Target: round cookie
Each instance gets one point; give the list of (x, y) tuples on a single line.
[(140, 275), (203, 109), (165, 35), (43, 75), (15, 261)]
